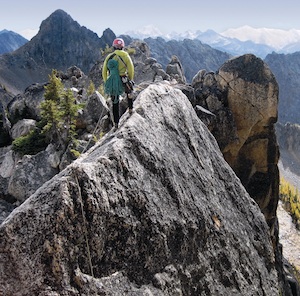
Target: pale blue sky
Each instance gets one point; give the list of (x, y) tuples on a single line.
[(168, 16)]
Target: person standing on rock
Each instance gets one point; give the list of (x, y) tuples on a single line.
[(118, 73)]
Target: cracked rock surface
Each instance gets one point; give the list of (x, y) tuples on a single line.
[(151, 209)]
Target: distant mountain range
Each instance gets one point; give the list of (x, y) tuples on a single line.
[(10, 41), (286, 68), (61, 43), (238, 41), (259, 41)]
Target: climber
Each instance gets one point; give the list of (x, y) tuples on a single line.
[(118, 73)]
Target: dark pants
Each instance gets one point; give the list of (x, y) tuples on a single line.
[(128, 89), (116, 111)]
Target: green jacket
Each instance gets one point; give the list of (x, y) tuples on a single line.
[(125, 67)]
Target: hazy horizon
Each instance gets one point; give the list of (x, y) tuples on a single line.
[(25, 17)]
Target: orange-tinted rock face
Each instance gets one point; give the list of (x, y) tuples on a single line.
[(243, 95)]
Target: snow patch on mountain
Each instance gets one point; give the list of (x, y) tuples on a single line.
[(236, 41), (275, 38), (28, 33), (145, 32)]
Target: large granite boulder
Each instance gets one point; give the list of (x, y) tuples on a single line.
[(241, 99), (175, 70), (152, 209), (243, 96), (22, 128), (31, 172), (252, 97)]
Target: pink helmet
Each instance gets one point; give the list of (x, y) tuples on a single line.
[(118, 43)]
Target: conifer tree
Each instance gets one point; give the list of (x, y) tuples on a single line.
[(54, 89), (59, 112), (50, 113), (69, 110)]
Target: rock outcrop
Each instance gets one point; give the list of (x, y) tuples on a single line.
[(243, 98), (175, 70), (22, 175), (151, 209), (193, 54), (240, 102), (254, 155)]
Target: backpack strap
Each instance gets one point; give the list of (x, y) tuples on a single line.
[(113, 55), (121, 60)]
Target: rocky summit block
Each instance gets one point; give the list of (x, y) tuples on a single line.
[(151, 209), (242, 98)]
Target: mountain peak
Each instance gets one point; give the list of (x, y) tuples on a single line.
[(4, 31), (59, 13), (10, 41), (60, 43), (57, 19), (9, 32)]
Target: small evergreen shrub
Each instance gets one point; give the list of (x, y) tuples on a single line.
[(59, 112), (108, 49), (30, 144), (131, 51), (91, 88), (75, 153)]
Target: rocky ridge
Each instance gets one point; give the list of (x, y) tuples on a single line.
[(34, 62), (62, 43), (10, 41), (213, 97), (216, 98), (129, 217), (209, 97), (193, 54)]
